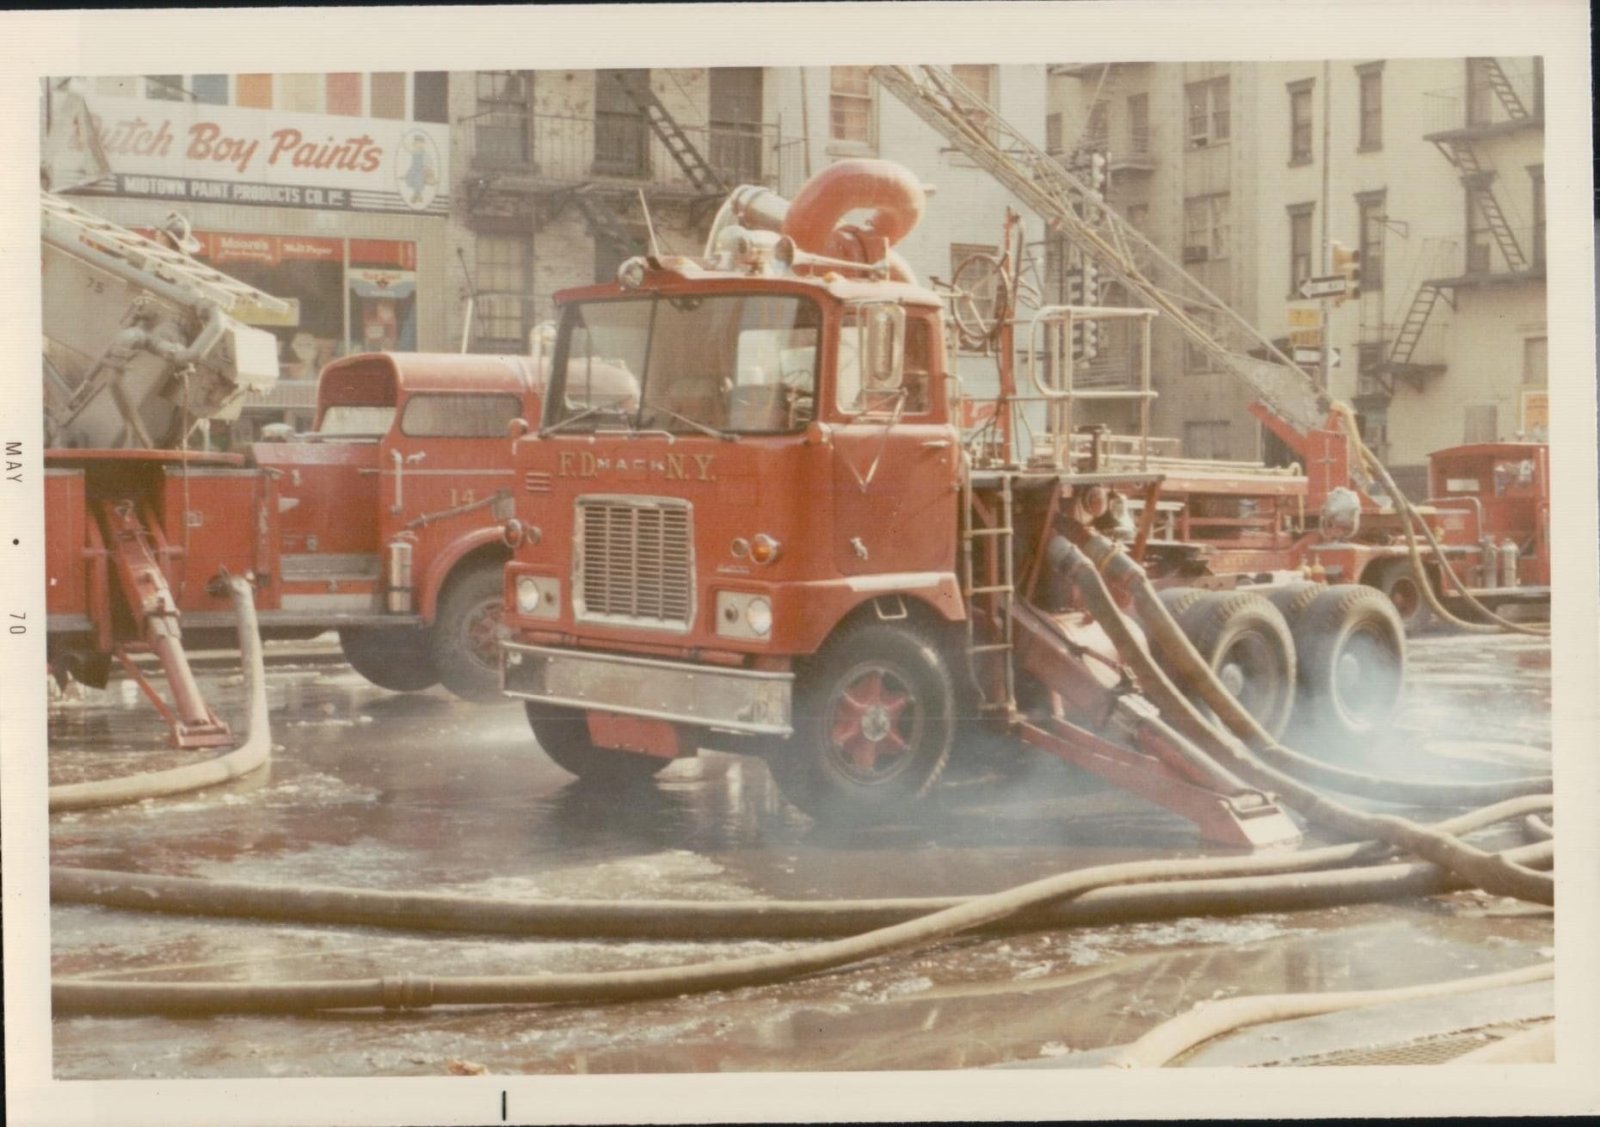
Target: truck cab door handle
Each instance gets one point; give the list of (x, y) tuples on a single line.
[(936, 444)]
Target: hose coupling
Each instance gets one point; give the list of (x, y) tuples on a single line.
[(406, 991)]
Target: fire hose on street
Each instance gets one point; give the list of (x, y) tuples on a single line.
[(251, 755), (1450, 863)]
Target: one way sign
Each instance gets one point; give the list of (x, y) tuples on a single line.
[(1331, 286)]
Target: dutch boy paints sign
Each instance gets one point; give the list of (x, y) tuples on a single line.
[(231, 154)]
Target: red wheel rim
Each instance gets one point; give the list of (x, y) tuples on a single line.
[(874, 724), (483, 634)]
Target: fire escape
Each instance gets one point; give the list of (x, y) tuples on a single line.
[(1445, 271), (598, 165)]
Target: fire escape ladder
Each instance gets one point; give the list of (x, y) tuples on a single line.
[(665, 126), (1105, 90), (1478, 176), (1504, 90), (1069, 208), (605, 223), (1416, 319)]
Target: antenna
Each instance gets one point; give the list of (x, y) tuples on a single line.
[(655, 248), (472, 301)]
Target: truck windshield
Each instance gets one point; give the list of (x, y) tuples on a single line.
[(740, 363)]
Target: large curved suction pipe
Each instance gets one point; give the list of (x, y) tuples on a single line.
[(891, 193)]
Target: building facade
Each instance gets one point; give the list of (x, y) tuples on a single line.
[(333, 190), (1432, 169)]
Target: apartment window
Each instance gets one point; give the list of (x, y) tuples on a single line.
[(1207, 227), (1536, 175), (1480, 239), (980, 79), (210, 89), (1480, 424), (1138, 216), (736, 123), (1373, 211), (1139, 123), (502, 305), (1053, 143), (850, 117), (1097, 132), (430, 99), (1538, 87), (1371, 79), (1480, 92), (977, 281), (1207, 438), (1300, 265), (389, 95), (1197, 359), (1300, 150), (165, 87), (621, 133), (1536, 362), (500, 127), (1209, 118)]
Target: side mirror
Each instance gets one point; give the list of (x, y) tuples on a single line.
[(883, 347)]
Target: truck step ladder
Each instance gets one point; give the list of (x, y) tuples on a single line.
[(1000, 591)]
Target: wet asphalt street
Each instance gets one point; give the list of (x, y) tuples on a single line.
[(375, 790)]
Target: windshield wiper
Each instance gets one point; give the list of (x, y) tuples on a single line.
[(562, 424), (703, 428)]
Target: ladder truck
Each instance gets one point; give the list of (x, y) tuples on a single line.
[(384, 522), (777, 541), (1224, 523)]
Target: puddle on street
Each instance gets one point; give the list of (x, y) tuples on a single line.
[(375, 790)]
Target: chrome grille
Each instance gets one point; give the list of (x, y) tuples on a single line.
[(635, 562)]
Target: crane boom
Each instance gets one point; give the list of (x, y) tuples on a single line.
[(1070, 208)]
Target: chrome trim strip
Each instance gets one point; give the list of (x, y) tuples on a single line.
[(738, 700)]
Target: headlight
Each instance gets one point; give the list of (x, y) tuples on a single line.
[(538, 596), (741, 615), (759, 615)]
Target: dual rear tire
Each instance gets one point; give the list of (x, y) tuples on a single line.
[(1329, 660)]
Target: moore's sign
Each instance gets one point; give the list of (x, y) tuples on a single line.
[(231, 154)]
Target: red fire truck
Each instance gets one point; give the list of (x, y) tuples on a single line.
[(383, 522), (776, 540)]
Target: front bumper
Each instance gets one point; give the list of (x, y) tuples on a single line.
[(737, 700)]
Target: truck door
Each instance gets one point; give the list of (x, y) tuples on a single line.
[(894, 449), (447, 450)]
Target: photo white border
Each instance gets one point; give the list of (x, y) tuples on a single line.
[(367, 39)]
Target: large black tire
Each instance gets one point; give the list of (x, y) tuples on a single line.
[(1247, 643), (1397, 579), (874, 722), (1179, 599), (392, 657), (465, 639), (563, 735), (1352, 649)]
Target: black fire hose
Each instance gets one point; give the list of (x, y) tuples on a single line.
[(411, 992), (1307, 880), (1174, 646), (1484, 870)]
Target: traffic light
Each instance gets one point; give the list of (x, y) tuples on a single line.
[(1348, 262), (1097, 173)]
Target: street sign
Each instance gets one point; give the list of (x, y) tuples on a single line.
[(1304, 317), (1334, 285), (1314, 356), (1306, 338)]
